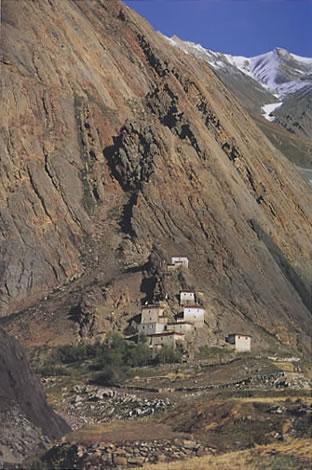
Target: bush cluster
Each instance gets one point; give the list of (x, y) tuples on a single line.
[(112, 360)]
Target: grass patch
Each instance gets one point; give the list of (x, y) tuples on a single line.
[(218, 354), (278, 398), (296, 455)]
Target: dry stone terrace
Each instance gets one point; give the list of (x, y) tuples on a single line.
[(123, 427), (207, 427), (131, 454), (91, 404)]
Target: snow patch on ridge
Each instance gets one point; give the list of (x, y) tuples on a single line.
[(268, 109), (298, 58)]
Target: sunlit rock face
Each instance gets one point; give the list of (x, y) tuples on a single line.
[(114, 142)]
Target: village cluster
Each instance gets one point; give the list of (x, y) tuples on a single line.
[(159, 331)]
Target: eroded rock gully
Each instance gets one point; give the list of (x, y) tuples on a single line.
[(112, 141)]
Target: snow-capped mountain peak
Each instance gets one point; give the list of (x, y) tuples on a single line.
[(279, 71)]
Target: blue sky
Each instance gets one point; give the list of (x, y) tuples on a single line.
[(241, 27)]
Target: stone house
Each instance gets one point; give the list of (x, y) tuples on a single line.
[(152, 328), (180, 327), (194, 314), (169, 338), (241, 342), (180, 262), (187, 298), (153, 320), (153, 314)]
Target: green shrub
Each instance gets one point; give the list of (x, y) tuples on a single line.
[(138, 355), (168, 355), (110, 376), (111, 360), (74, 353)]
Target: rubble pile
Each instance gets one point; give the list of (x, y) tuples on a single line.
[(99, 405), (127, 454), (276, 380), (279, 380)]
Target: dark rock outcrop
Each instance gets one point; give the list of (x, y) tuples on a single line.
[(27, 422), (131, 158)]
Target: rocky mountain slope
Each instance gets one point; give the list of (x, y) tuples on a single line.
[(279, 72), (118, 150), (275, 87), (27, 422), (295, 114)]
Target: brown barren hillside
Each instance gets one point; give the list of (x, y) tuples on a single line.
[(114, 146)]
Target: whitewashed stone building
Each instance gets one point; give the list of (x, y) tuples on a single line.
[(152, 313), (153, 320), (241, 342), (187, 298), (194, 314), (180, 262)]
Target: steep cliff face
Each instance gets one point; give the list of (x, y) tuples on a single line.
[(113, 142), (27, 422)]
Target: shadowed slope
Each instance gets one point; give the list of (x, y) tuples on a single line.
[(23, 407)]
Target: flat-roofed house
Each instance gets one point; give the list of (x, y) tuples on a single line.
[(194, 314), (241, 342), (153, 320), (180, 262), (187, 297), (169, 338), (151, 328), (180, 327), (153, 314)]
